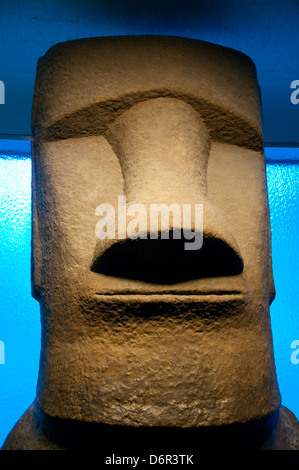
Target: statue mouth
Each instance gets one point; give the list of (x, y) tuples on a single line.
[(165, 262), (212, 289), (199, 294), (181, 304), (160, 269)]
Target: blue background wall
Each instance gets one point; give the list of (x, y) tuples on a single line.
[(266, 30)]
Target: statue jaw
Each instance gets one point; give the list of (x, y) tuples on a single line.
[(171, 360)]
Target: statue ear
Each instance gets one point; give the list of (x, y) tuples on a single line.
[(271, 283), (36, 254)]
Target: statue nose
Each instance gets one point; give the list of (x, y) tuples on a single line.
[(163, 148)]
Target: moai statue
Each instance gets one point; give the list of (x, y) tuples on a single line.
[(151, 335)]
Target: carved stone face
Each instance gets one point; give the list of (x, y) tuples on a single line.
[(142, 331)]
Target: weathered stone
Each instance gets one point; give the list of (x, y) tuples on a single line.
[(141, 336)]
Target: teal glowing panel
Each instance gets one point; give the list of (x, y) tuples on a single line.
[(283, 188), (19, 313)]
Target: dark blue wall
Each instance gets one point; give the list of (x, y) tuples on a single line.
[(265, 30)]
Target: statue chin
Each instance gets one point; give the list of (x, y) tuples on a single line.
[(37, 431), (151, 251)]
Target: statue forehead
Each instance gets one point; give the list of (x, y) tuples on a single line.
[(82, 85)]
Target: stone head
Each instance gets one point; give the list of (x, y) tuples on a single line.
[(151, 327)]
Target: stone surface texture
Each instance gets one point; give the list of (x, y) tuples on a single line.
[(141, 337)]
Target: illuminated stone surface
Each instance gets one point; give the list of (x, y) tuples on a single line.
[(141, 338)]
